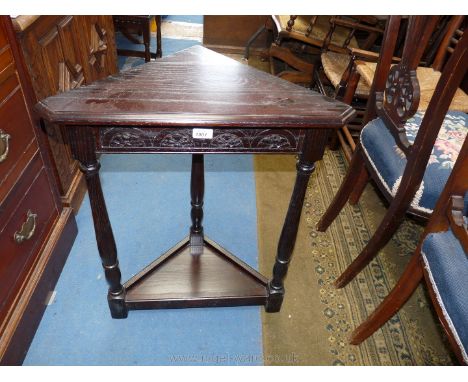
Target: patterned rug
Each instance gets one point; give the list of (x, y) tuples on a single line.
[(316, 319)]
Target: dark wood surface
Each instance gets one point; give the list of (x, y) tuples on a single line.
[(155, 108), (36, 232), (195, 87), (213, 277)]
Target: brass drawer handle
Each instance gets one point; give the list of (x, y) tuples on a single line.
[(4, 145), (27, 229)]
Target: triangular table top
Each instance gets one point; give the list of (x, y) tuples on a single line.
[(195, 87)]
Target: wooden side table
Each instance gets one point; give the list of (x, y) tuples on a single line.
[(141, 25), (198, 102)]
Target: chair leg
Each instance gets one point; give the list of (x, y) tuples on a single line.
[(356, 167), (384, 233), (147, 40), (158, 36), (359, 187), (393, 302)]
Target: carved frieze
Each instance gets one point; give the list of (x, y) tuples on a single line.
[(181, 139)]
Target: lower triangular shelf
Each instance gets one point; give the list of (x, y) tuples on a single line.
[(178, 279)]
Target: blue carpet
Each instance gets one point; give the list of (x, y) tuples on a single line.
[(148, 202), (169, 46), (194, 19)]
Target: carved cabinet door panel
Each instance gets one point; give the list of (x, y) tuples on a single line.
[(52, 46), (70, 69), (99, 47), (62, 53), (56, 61)]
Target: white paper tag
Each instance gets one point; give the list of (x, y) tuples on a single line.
[(202, 133)]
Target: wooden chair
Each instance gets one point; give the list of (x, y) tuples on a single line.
[(403, 150), (301, 39), (140, 25), (441, 258), (358, 77)]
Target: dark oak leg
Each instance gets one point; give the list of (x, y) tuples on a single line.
[(158, 37), (197, 189), (393, 302), (147, 40), (313, 148), (83, 148), (356, 167)]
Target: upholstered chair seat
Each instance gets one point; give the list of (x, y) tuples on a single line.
[(389, 162), (446, 264)]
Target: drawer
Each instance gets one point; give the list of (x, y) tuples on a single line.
[(6, 58), (3, 36), (24, 224), (17, 143)]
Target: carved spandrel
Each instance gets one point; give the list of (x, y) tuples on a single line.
[(174, 140)]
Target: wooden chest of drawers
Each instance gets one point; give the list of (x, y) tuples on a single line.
[(36, 231), (62, 53)]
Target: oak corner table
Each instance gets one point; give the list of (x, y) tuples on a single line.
[(200, 102)]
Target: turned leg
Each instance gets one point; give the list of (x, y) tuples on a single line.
[(356, 168), (197, 188), (158, 37), (83, 146), (312, 151), (393, 302), (147, 40)]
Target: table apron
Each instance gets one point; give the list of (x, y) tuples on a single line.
[(181, 140)]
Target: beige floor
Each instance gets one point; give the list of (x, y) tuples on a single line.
[(316, 319)]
